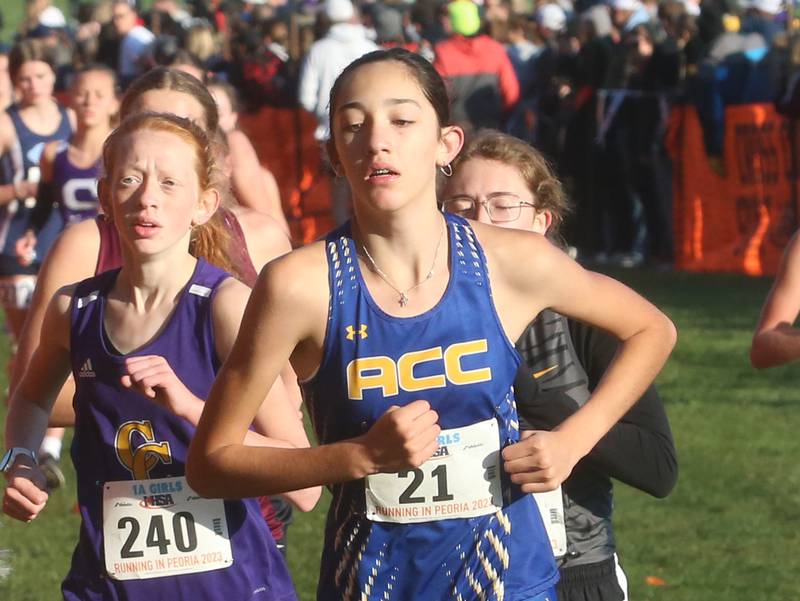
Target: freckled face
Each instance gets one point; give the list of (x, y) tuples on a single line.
[(154, 191)]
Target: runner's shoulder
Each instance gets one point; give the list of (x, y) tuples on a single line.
[(300, 276)]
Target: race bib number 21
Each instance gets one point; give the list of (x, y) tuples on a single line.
[(461, 480), (161, 527)]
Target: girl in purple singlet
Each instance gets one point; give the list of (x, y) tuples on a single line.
[(91, 247), (143, 344), (70, 168)]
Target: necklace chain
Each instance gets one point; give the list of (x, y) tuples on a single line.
[(403, 300)]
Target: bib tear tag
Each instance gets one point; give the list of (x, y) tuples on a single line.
[(551, 507)]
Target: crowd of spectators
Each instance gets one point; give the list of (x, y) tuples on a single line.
[(589, 83)]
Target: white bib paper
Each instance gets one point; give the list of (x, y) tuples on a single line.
[(161, 527), (551, 506), (461, 480)]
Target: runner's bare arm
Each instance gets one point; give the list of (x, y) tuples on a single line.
[(267, 241), (273, 199), (49, 367), (286, 316), (551, 279), (21, 189), (246, 177), (265, 238), (276, 422), (776, 340)]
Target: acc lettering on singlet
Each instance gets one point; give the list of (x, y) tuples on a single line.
[(383, 372), (140, 457)]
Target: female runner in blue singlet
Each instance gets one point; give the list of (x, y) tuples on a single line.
[(143, 343), (25, 128), (401, 326)]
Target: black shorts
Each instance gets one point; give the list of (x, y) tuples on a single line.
[(590, 582)]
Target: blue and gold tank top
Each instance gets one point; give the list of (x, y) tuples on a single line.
[(456, 528)]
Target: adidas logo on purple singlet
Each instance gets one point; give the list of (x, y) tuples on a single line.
[(86, 370)]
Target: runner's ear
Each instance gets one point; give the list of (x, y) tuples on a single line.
[(450, 143), (207, 205)]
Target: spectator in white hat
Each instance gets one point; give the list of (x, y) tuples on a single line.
[(345, 41), (551, 18), (628, 14), (42, 14), (760, 17)]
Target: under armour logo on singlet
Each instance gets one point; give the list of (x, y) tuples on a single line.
[(351, 332)]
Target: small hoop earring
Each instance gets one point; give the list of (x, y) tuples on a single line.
[(447, 170)]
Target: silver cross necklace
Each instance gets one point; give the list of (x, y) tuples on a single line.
[(403, 300)]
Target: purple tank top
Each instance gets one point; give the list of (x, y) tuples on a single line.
[(121, 436), (76, 188)]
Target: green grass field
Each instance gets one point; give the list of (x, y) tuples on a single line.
[(729, 531)]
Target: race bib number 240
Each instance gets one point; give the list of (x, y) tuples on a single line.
[(161, 527)]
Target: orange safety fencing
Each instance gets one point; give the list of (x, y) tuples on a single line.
[(736, 218), (739, 216), (284, 141)]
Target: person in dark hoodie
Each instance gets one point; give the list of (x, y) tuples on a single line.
[(481, 79)]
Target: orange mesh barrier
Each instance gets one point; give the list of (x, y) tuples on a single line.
[(739, 221), (284, 141)]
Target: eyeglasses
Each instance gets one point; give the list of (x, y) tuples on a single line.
[(500, 207)]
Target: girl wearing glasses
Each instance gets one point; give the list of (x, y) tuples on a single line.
[(409, 389), (501, 180)]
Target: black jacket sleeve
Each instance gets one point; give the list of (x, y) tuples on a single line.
[(45, 197), (639, 450)]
